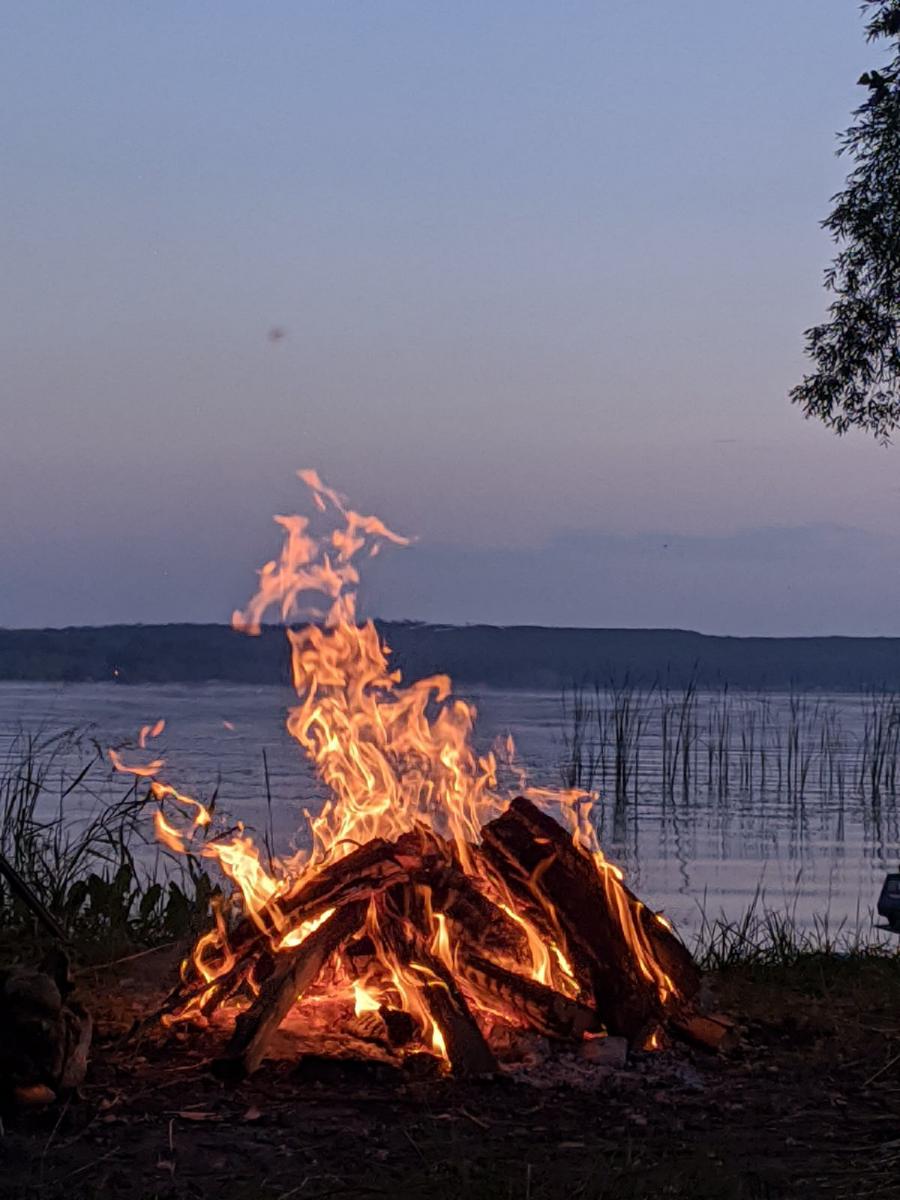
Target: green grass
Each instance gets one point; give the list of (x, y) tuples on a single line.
[(764, 937), (85, 855)]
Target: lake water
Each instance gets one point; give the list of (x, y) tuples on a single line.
[(793, 795)]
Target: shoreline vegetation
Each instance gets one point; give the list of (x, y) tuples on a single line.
[(804, 1103), (88, 855), (517, 657), (687, 744)]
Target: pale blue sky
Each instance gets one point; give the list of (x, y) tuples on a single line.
[(543, 270)]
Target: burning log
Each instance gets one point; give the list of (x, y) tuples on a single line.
[(476, 919), (364, 872), (546, 1011), (630, 962), (296, 970), (467, 1050), (668, 949)]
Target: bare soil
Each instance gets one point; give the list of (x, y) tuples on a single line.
[(808, 1105)]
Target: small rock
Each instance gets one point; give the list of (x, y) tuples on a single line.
[(45, 1045), (606, 1052), (31, 991)]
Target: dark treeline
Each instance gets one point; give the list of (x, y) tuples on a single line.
[(517, 656)]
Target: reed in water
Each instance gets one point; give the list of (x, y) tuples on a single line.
[(684, 744)]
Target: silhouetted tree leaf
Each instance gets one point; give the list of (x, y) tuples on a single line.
[(856, 352)]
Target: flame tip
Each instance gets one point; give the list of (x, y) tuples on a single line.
[(397, 759)]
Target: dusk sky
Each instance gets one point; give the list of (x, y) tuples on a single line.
[(542, 272)]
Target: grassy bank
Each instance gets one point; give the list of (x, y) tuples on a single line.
[(84, 853), (84, 847)]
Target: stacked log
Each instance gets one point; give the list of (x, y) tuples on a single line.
[(594, 916), (296, 970), (631, 975)]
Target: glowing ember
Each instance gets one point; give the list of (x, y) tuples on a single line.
[(447, 932)]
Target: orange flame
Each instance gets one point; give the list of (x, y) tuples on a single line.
[(395, 757)]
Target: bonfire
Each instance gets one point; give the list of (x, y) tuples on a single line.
[(435, 910)]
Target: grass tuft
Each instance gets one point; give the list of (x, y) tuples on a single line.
[(764, 937), (87, 857)]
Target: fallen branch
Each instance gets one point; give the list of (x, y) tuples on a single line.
[(21, 889)]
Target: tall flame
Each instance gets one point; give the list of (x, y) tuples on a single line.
[(395, 757)]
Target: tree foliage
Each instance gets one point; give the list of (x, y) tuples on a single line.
[(856, 351)]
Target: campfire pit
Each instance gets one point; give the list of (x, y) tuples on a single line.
[(402, 919), (432, 913)]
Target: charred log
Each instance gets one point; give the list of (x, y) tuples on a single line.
[(467, 1050), (296, 969), (401, 1027), (598, 922), (540, 1007)]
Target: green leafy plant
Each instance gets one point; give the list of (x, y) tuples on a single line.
[(87, 858)]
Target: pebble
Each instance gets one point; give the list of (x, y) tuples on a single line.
[(606, 1052)]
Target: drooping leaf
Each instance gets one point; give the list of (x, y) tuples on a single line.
[(855, 381)]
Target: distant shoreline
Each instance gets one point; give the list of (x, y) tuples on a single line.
[(521, 657)]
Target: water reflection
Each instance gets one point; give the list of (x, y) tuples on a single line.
[(705, 798)]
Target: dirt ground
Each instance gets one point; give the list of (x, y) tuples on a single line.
[(808, 1105)]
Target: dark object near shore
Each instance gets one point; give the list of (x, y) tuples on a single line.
[(889, 901), (47, 1035)]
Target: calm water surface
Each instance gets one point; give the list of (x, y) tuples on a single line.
[(820, 850)]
